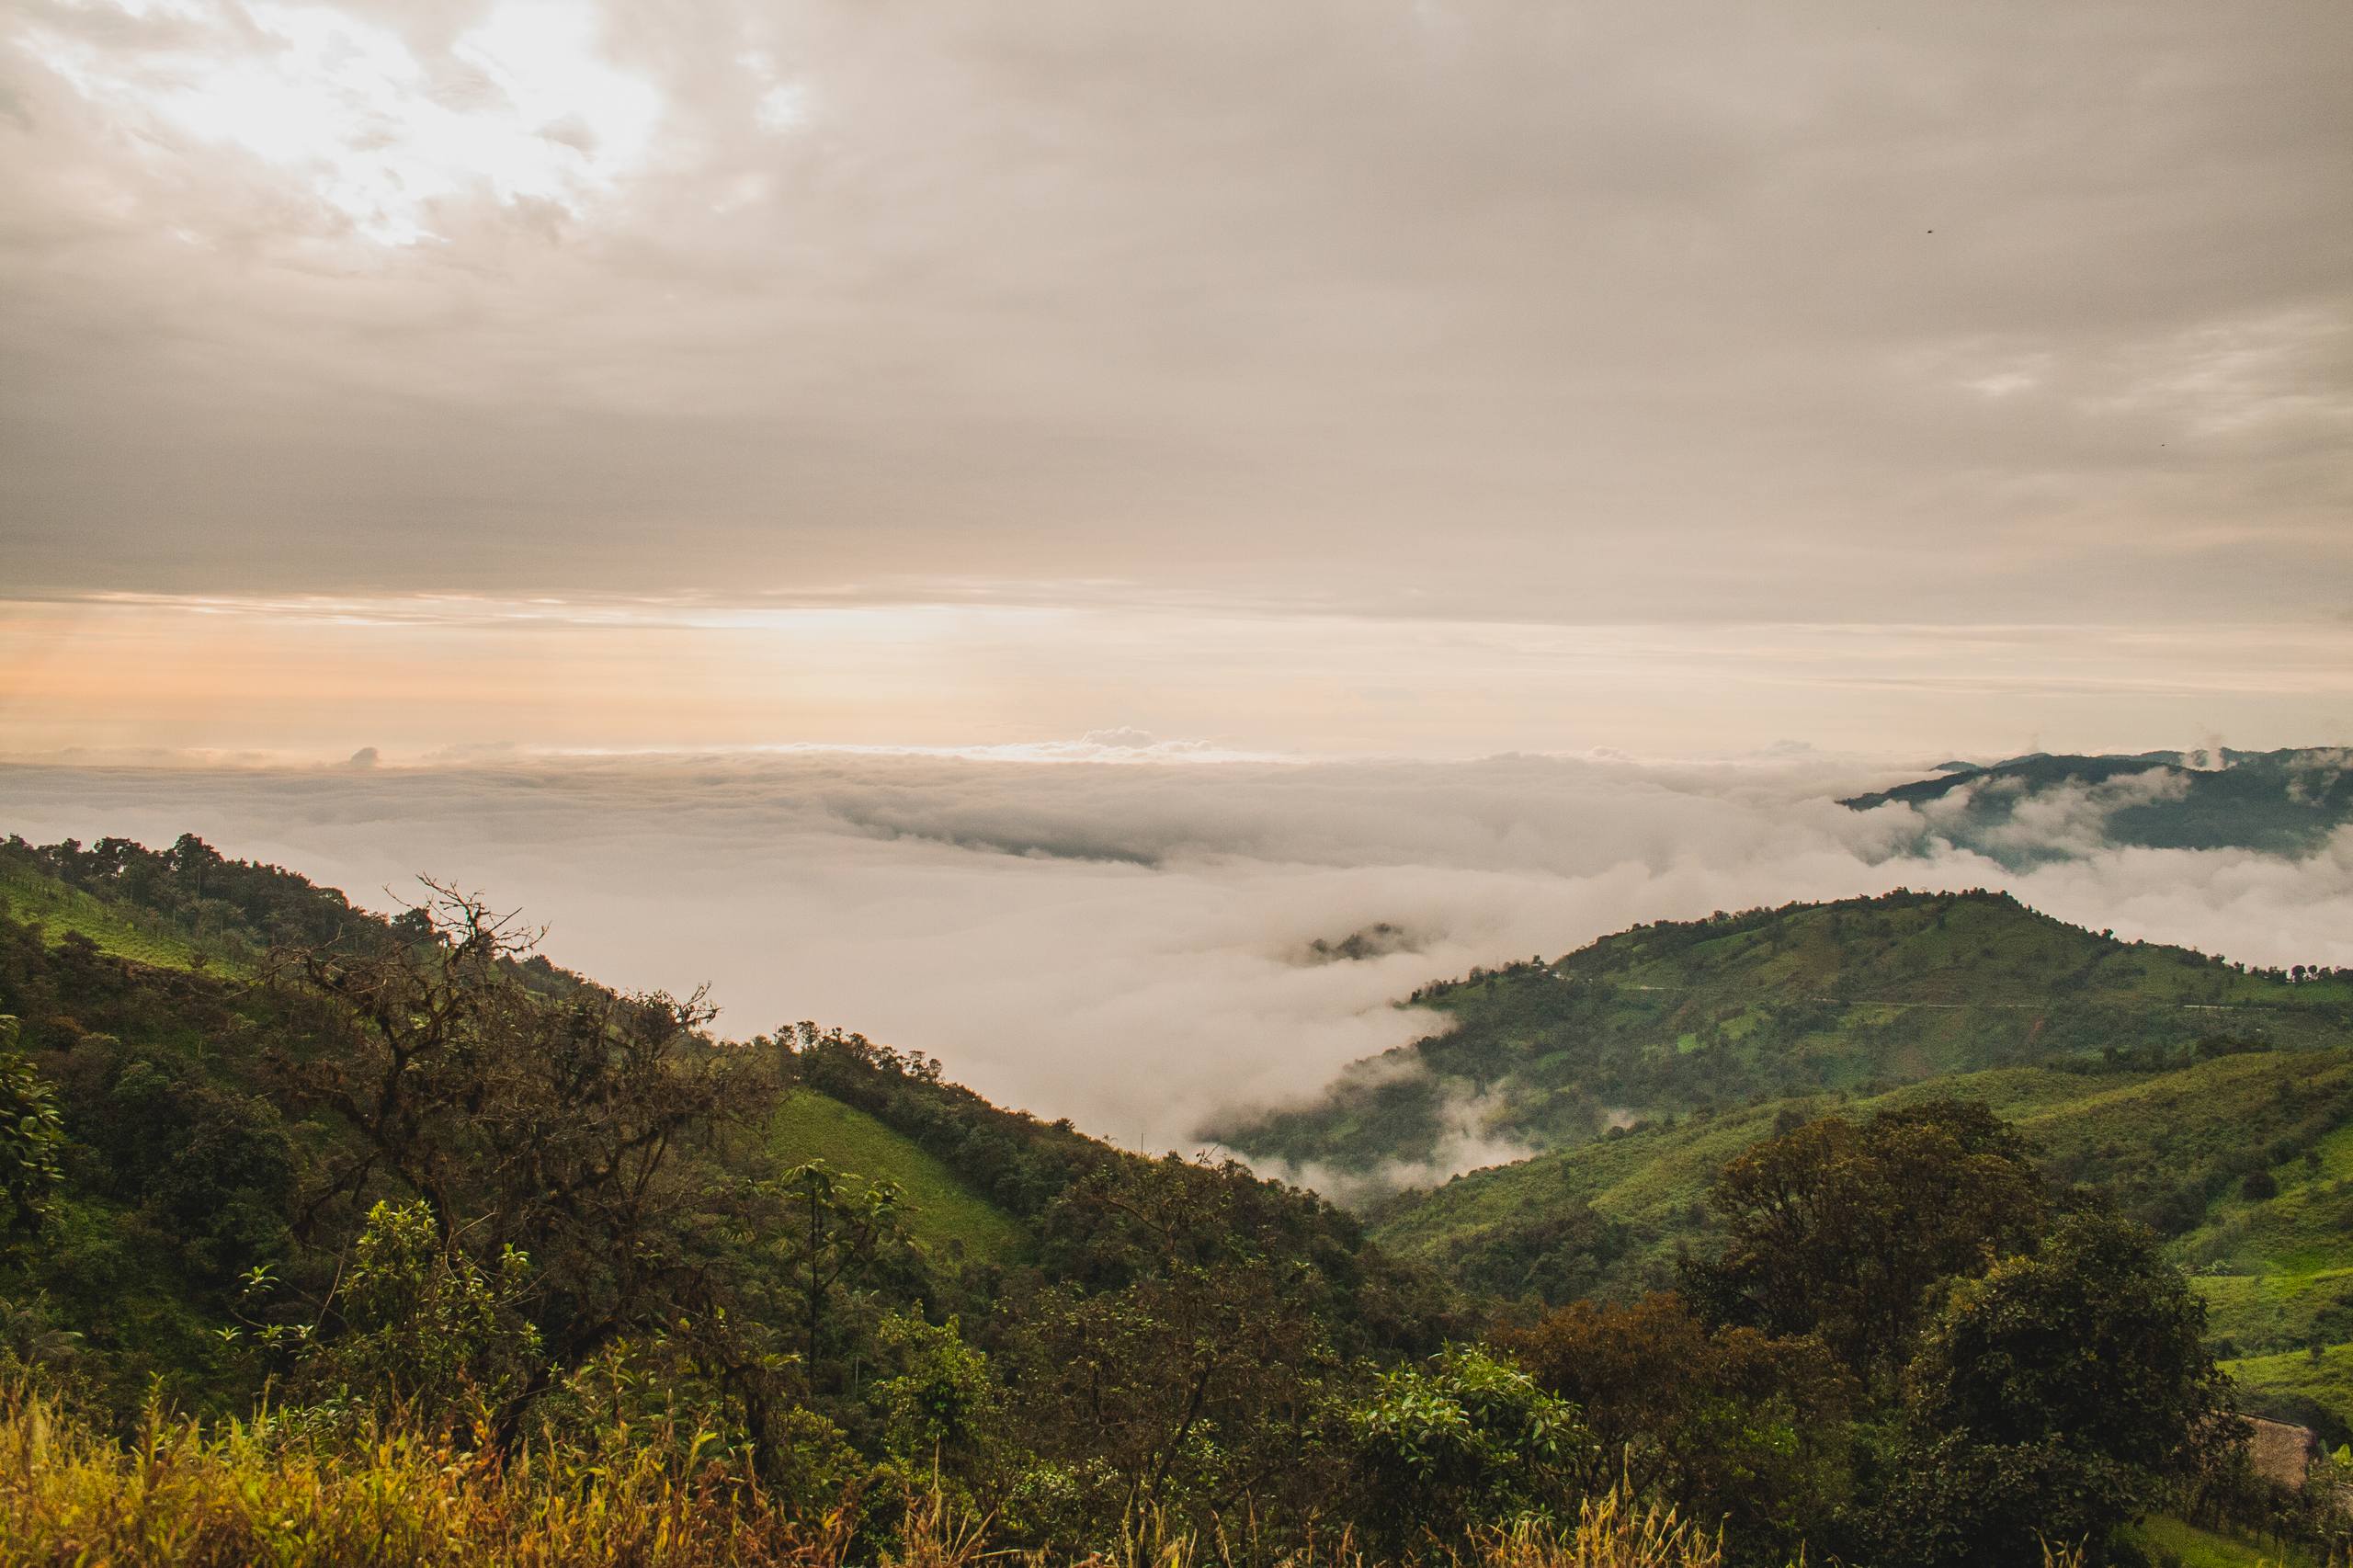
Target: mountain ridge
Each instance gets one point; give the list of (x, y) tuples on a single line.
[(2027, 810), (1855, 994)]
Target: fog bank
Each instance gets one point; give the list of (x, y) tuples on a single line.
[(1131, 945)]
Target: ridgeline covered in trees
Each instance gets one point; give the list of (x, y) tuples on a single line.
[(1862, 996)]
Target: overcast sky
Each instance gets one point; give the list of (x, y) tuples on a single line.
[(948, 373)]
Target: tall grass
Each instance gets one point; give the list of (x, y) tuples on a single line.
[(229, 1493), (1611, 1531), (238, 1493)]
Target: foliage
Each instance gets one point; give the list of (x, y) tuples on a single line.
[(1838, 1229), (1464, 1441), (192, 1496), (424, 1327), (1730, 1424), (2094, 1341), (31, 1136), (945, 1405), (1612, 1531), (531, 1124), (832, 1234), (1181, 1359), (186, 1494), (519, 1241), (1702, 1017), (2053, 1398)]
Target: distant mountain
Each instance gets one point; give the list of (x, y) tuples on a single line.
[(1861, 996), (2043, 807)]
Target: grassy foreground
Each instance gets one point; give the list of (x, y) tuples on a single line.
[(229, 1493)]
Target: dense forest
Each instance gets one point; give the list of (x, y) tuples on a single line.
[(333, 1237)]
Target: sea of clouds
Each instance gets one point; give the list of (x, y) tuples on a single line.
[(1124, 935)]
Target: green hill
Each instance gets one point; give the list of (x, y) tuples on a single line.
[(221, 962), (192, 907), (1858, 997), (189, 909)]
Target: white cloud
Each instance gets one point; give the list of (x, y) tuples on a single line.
[(1123, 944), (524, 109), (2066, 818)]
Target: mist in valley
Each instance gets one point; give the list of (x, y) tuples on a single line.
[(1132, 944)]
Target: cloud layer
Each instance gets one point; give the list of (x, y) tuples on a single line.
[(1131, 944), (1457, 307)]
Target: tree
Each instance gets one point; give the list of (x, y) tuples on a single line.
[(831, 1228), (1838, 1229), (2054, 1397), (944, 1401), (426, 1329), (1462, 1441), (1734, 1426), (31, 1136), (1186, 1358), (546, 1125)]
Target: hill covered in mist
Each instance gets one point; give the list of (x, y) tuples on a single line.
[(2043, 807), (1859, 995)]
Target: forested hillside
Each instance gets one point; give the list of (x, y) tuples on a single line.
[(2240, 1162), (331, 1235), (1860, 996), (205, 1098)]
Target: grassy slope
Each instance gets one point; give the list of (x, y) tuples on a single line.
[(2279, 1273), (115, 929), (1860, 996), (946, 1215), (1651, 1176), (2326, 1382), (2191, 1547)]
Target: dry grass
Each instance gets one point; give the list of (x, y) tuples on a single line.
[(227, 1494), (243, 1493), (1611, 1531)]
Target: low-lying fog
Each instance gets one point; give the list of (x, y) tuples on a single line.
[(1132, 944)]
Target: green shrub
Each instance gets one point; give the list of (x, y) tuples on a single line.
[(1466, 1442)]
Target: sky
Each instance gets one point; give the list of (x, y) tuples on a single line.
[(1423, 379)]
